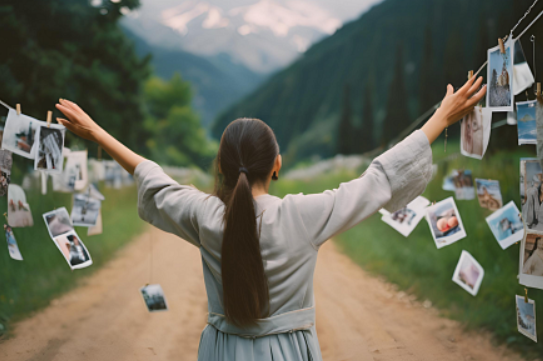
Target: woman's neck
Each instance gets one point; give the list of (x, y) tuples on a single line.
[(259, 189)]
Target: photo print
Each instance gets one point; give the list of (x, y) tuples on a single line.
[(97, 228), (445, 222), (58, 222), (531, 193), (475, 132), (13, 248), (463, 185), (6, 161), (19, 213), (489, 194), (526, 122), (531, 260), (154, 298), (20, 133), (468, 273), (522, 74), (113, 174), (526, 317), (73, 250), (499, 95), (406, 219), (49, 149), (76, 168), (506, 225), (85, 210)]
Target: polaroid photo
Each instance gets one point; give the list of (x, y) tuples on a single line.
[(76, 170), (50, 144), (448, 181), (445, 222), (85, 210), (531, 260), (97, 228), (522, 74), (113, 174), (97, 171), (489, 194), (468, 273), (526, 321), (13, 248), (526, 122), (19, 213), (58, 222), (506, 225), (6, 161), (20, 133), (64, 182), (499, 95), (475, 132), (406, 219), (73, 250), (154, 298), (531, 181), (463, 185)]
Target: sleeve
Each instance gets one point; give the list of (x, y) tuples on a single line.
[(167, 205), (392, 180)]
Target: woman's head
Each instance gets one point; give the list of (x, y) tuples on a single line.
[(248, 157)]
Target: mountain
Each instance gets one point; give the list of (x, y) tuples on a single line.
[(264, 35), (217, 82), (302, 102)]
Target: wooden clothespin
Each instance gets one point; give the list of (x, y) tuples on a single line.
[(538, 92), (99, 153), (18, 107), (526, 295), (502, 47), (470, 74), (49, 117)]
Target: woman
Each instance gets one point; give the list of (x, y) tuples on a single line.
[(259, 251), (533, 265)]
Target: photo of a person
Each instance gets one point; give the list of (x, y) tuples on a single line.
[(6, 162), (499, 96), (13, 248), (19, 213), (526, 321), (526, 122), (489, 194), (445, 223), (468, 273), (20, 133), (533, 255), (506, 225), (73, 250), (49, 150), (154, 298), (58, 222), (531, 191), (475, 132)]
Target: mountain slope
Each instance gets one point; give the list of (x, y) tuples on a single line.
[(302, 102), (217, 82)]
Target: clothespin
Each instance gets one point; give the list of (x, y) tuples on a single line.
[(99, 153), (6, 216), (502, 47), (18, 107), (49, 117), (526, 295), (538, 92), (470, 74)]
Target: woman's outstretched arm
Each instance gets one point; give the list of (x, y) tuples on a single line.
[(82, 125)]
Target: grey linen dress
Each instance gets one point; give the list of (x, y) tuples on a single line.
[(291, 231)]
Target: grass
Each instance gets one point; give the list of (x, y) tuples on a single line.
[(30, 285), (417, 266)]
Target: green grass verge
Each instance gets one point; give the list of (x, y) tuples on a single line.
[(416, 265)]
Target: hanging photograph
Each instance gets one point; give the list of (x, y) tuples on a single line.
[(154, 298), (499, 95), (445, 222), (475, 132), (506, 225), (526, 122), (76, 169), (522, 74), (13, 248), (85, 210), (468, 273), (6, 161), (49, 149), (531, 193), (20, 133), (73, 250), (406, 219), (19, 213), (531, 260), (58, 222), (489, 194), (97, 228), (526, 317), (463, 185)]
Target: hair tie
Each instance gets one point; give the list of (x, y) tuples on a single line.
[(243, 170)]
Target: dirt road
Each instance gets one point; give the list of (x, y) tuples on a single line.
[(358, 316)]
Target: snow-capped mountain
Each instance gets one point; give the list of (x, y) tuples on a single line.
[(264, 35)]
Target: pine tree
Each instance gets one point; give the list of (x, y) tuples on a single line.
[(345, 130), (363, 140), (397, 118)]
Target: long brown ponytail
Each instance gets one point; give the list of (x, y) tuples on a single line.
[(246, 156)]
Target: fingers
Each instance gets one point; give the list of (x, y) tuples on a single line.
[(450, 90), (66, 123), (477, 97), (70, 113), (475, 86), (467, 85)]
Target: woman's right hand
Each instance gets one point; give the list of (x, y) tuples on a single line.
[(79, 123)]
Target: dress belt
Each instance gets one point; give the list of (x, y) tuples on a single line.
[(286, 322)]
